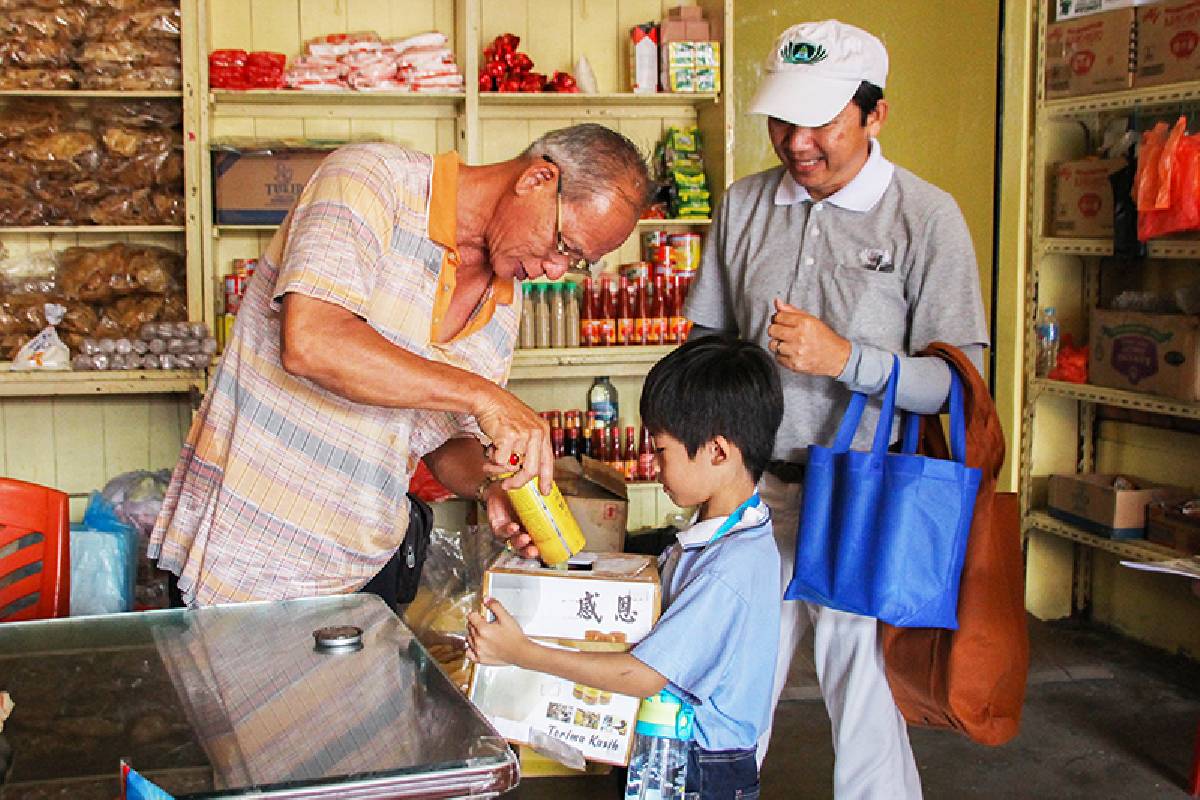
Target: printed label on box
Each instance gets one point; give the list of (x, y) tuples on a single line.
[(519, 702)]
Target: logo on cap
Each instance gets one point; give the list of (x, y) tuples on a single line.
[(802, 53)]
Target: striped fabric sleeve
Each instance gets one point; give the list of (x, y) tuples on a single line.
[(339, 231)]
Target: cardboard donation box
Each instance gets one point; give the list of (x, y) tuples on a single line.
[(1091, 54), (1170, 525), (595, 493), (1168, 43), (603, 602), (1083, 197), (1094, 503), (1155, 353), (260, 187)]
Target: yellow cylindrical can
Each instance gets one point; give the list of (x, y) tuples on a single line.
[(548, 521)]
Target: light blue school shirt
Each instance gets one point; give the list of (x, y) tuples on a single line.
[(717, 640)]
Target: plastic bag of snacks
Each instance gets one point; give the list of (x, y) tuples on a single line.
[(46, 350)]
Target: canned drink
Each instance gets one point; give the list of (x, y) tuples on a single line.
[(548, 521), (685, 248)]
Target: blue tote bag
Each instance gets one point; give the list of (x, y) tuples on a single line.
[(884, 534)]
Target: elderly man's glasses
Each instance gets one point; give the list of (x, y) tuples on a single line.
[(575, 261)]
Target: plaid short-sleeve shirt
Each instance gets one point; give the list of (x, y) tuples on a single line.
[(285, 489)]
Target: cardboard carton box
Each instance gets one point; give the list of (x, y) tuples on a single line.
[(554, 715), (685, 12), (1091, 54), (1092, 503), (260, 187), (1154, 353), (1072, 9), (1083, 197), (595, 493), (1168, 43), (601, 596), (1166, 525), (608, 604)]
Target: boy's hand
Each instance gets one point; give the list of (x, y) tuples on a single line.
[(495, 643)]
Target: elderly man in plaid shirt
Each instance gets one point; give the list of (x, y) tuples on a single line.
[(378, 330)]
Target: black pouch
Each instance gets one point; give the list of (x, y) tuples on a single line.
[(396, 584), (411, 557)]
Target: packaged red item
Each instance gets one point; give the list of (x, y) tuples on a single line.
[(426, 487), (1072, 363)]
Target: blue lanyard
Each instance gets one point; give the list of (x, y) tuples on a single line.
[(734, 518)]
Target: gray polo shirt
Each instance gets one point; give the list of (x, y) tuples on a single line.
[(887, 262)]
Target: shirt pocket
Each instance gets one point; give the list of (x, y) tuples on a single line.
[(865, 306)]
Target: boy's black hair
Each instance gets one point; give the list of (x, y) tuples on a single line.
[(716, 386)]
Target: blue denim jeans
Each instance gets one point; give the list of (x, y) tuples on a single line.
[(722, 774)]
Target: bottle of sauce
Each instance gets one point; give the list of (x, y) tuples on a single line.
[(528, 331), (655, 319), (558, 315), (543, 316), (676, 321), (639, 299), (587, 315), (572, 315), (624, 314), (630, 461), (645, 457), (608, 329)]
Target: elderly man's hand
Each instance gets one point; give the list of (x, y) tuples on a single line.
[(803, 343), (520, 439)]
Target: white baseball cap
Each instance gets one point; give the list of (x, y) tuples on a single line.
[(814, 70)]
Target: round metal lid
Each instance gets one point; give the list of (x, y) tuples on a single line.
[(338, 637)]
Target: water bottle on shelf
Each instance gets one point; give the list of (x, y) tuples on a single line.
[(1048, 336), (662, 737)]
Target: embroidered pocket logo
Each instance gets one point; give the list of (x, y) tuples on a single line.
[(876, 260)]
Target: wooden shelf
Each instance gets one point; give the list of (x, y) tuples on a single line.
[(585, 362), (1169, 95), (1135, 549), (290, 103), (1084, 392), (88, 94), (67, 382), (51, 230), (677, 99), (672, 223), (1157, 248)]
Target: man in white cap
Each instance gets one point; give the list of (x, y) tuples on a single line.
[(834, 261)]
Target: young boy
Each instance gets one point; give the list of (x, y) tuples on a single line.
[(713, 407)]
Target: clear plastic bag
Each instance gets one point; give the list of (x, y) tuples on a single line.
[(104, 552), (45, 350), (449, 590)]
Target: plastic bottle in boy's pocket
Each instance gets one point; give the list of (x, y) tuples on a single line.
[(663, 736)]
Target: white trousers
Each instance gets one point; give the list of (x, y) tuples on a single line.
[(872, 756)]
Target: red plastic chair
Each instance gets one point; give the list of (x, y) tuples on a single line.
[(35, 555)]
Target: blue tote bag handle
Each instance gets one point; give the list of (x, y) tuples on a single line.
[(958, 424), (858, 402)]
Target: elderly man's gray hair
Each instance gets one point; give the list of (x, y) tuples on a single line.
[(595, 160)]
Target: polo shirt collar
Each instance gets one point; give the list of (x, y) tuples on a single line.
[(443, 216), (862, 192), (697, 535)]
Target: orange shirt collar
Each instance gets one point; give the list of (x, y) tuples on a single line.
[(443, 217)]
